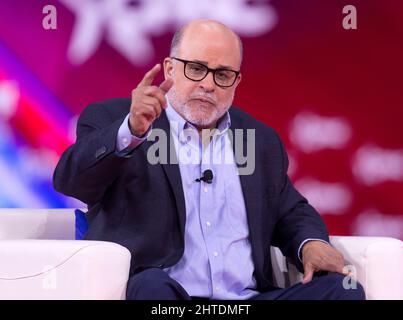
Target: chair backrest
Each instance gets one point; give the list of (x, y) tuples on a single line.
[(21, 223), (285, 274)]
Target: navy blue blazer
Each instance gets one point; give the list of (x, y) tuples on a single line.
[(142, 207)]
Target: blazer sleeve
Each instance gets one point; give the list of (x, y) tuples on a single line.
[(297, 219), (89, 166)]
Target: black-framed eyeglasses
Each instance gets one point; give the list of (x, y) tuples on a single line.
[(196, 71)]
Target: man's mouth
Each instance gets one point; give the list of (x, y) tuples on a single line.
[(205, 100)]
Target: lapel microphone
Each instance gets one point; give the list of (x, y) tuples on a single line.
[(207, 176)]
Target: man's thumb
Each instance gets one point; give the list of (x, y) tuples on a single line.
[(308, 274), (166, 85)]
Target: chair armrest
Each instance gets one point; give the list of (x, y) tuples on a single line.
[(63, 269), (378, 262)]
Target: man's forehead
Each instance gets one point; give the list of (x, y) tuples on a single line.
[(219, 54)]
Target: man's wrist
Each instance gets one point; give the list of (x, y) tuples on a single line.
[(303, 246), (136, 133), (126, 141)]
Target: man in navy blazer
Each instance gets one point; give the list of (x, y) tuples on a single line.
[(197, 238)]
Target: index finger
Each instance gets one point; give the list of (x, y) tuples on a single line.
[(149, 76)]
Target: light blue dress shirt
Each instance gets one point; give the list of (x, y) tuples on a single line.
[(217, 261)]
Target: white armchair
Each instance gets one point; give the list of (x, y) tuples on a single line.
[(40, 260)]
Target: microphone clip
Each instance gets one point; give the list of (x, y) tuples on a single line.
[(207, 177)]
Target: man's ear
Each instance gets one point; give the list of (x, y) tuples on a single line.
[(168, 68), (238, 80)]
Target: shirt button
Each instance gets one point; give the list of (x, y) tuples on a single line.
[(217, 288), (205, 189), (215, 253), (208, 223), (125, 140)]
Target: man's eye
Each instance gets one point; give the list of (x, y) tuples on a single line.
[(222, 75), (196, 68)]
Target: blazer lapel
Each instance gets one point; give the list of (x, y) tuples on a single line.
[(251, 188), (172, 172)]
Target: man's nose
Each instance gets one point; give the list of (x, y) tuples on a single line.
[(208, 83)]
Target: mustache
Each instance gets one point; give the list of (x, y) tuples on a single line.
[(204, 97)]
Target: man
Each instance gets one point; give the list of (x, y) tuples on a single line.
[(196, 238)]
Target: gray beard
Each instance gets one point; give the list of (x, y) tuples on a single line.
[(187, 114)]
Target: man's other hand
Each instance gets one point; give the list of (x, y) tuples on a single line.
[(320, 256)]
